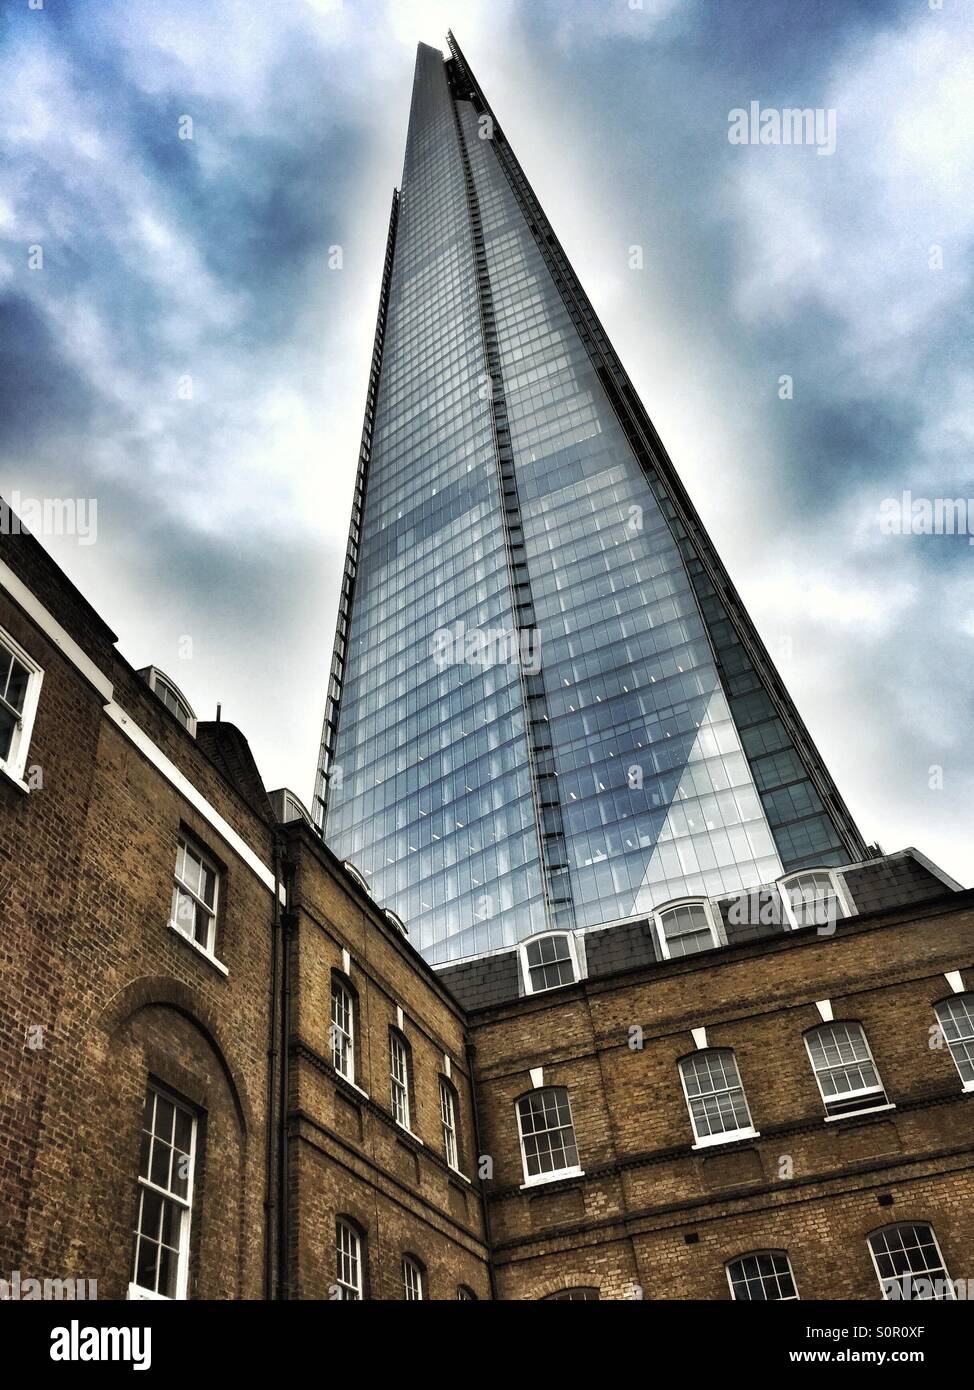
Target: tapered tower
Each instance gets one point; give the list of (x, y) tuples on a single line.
[(548, 706)]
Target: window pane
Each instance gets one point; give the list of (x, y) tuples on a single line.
[(766, 1276), (17, 685), (8, 723), (911, 1250), (956, 1017)]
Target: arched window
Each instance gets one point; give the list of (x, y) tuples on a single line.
[(909, 1264), (956, 1018), (715, 1097), (684, 928), (465, 1294), (399, 1080), (413, 1279), (171, 696), (548, 961), (844, 1068), (583, 1295), (814, 898), (548, 1148), (349, 1264), (765, 1275), (342, 1027), (448, 1120)]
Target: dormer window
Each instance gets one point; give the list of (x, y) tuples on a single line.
[(356, 875), (548, 961), (173, 699), (684, 928), (814, 898)]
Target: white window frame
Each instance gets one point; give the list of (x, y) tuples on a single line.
[(159, 678), (966, 1085), (727, 1136), (353, 1288), (193, 847), (15, 763), (879, 1090), (448, 1121), (573, 1170), (348, 1035), (914, 1274), (717, 936), (185, 1204), (754, 1254), (399, 1097), (838, 888), (413, 1279), (526, 967)]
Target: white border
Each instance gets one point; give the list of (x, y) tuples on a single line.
[(717, 937)]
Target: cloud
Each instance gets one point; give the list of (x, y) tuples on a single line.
[(222, 513)]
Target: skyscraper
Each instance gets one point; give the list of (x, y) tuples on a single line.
[(548, 707)]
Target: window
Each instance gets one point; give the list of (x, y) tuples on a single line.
[(342, 1029), (175, 702), (448, 1118), (165, 1195), (464, 1294), (909, 1264), (763, 1276), (814, 898), (715, 1096), (412, 1279), (686, 928), (399, 1078), (194, 896), (348, 1260), (844, 1068), (547, 1134), (956, 1018), (548, 961), (573, 1295), (20, 684)]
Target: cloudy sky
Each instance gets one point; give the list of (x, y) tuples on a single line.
[(189, 355)]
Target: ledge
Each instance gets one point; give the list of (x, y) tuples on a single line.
[(854, 1114), (737, 1136), (18, 782), (200, 951), (542, 1179)]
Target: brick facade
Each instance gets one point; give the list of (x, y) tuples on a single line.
[(101, 997)]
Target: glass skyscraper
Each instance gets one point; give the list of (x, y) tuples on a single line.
[(548, 707)]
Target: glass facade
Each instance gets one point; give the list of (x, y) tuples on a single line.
[(544, 713)]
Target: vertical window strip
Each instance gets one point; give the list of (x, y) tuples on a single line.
[(715, 1094), (956, 1019), (166, 1163), (399, 1079), (342, 1030)]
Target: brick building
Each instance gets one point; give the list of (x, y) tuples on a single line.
[(226, 1072)]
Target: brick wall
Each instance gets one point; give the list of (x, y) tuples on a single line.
[(349, 1157), (804, 1184)]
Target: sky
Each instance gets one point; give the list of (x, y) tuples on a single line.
[(209, 186)]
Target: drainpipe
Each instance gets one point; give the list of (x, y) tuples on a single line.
[(271, 1213), (283, 1197), (471, 1053)]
